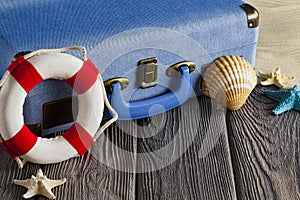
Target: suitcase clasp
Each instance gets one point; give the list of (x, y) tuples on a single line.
[(147, 73)]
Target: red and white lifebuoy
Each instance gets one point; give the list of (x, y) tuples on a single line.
[(22, 76)]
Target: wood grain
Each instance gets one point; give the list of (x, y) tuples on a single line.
[(264, 149), (88, 177), (195, 144), (8, 172), (264, 152), (279, 36), (196, 162)]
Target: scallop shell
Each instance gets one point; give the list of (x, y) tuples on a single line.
[(230, 80)]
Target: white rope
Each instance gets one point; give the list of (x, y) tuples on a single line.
[(64, 49), (20, 162), (84, 58), (110, 108), (99, 132), (4, 78), (2, 81), (17, 159), (41, 51)]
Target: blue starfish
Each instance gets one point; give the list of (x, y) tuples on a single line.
[(288, 99)]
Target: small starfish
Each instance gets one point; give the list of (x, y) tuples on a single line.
[(288, 99), (275, 78), (39, 185)]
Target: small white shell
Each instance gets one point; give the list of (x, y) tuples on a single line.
[(230, 80)]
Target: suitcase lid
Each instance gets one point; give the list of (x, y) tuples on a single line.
[(216, 25)]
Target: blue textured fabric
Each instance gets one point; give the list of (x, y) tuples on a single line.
[(117, 34), (50, 90)]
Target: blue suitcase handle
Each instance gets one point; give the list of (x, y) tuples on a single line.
[(156, 105)]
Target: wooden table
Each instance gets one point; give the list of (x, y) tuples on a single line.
[(191, 152), (245, 154)]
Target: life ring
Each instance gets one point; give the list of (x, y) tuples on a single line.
[(23, 75)]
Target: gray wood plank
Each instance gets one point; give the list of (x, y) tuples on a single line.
[(8, 172), (279, 36), (264, 149), (95, 175), (186, 156)]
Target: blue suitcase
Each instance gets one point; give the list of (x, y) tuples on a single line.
[(150, 53)]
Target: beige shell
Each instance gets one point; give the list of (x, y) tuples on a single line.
[(230, 80)]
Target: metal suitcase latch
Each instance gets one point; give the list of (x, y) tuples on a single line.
[(147, 73)]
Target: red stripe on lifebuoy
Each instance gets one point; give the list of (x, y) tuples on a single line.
[(25, 73), (84, 78), (79, 138), (15, 64), (8, 150), (21, 143)]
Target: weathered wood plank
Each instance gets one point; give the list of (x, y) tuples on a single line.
[(95, 175), (8, 172), (279, 36), (264, 149), (92, 176), (185, 155)]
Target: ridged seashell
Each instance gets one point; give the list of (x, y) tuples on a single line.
[(230, 80)]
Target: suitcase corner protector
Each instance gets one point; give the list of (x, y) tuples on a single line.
[(252, 15)]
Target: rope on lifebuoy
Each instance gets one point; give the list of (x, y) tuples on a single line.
[(4, 78), (110, 108), (22, 162), (59, 50), (2, 81)]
